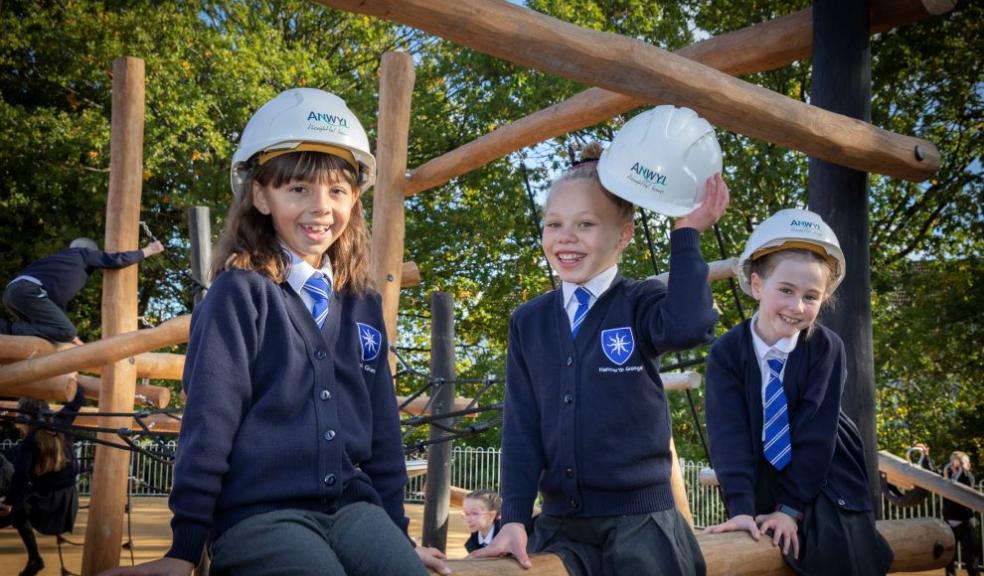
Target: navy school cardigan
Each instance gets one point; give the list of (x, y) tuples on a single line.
[(828, 455), (281, 414), (586, 420)]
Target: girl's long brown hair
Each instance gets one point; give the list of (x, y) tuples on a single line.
[(50, 445), (249, 241)]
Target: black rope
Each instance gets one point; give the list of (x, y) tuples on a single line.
[(649, 239), (731, 281), (535, 221)]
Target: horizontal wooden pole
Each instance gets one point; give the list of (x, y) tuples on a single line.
[(919, 544), (409, 275), (652, 75), (417, 405), (146, 394), (154, 365), (106, 351), (674, 381), (757, 48), (893, 466), (718, 270), (58, 388)]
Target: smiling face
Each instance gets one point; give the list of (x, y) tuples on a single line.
[(583, 232), (307, 216), (477, 515), (789, 296)]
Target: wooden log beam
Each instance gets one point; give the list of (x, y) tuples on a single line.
[(895, 467), (60, 388), (649, 75), (145, 394), (154, 365), (174, 331), (719, 270), (396, 78), (678, 487), (417, 405), (919, 544), (119, 310), (87, 418), (409, 275), (673, 381)]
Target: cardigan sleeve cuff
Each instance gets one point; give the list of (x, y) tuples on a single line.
[(515, 512), (685, 240), (188, 542), (739, 505)]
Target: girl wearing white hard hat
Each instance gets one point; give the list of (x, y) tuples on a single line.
[(290, 459), (789, 461), (586, 422)]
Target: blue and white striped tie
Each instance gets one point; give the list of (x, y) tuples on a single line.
[(583, 299), (777, 448), (318, 288)]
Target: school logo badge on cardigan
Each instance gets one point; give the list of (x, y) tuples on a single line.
[(617, 344), (370, 338)]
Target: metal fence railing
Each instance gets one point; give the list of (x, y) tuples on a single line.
[(471, 469)]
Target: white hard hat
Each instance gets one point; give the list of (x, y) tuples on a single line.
[(303, 119), (787, 229), (660, 160)]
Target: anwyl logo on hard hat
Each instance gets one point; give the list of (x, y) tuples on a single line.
[(327, 122), (806, 226), (649, 177)]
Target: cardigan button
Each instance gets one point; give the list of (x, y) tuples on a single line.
[(329, 434), (570, 360), (330, 480), (569, 472), (841, 502), (326, 394), (572, 502), (568, 398), (320, 354)]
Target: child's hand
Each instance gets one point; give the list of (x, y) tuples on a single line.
[(156, 247), (159, 567), (511, 539), (783, 528), (433, 559), (716, 200), (736, 524), (5, 510)]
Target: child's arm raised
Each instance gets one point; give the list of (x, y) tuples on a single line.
[(682, 315)]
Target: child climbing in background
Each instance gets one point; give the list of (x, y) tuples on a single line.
[(290, 459), (43, 495), (586, 416), (959, 517), (788, 459), (481, 512)]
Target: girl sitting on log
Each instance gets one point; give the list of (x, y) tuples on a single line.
[(290, 459), (788, 459), (586, 417)]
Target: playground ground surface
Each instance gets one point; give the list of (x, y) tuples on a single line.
[(152, 535)]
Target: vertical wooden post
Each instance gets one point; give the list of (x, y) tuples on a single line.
[(678, 486), (841, 83), (396, 78), (438, 498), (200, 230), (119, 314)]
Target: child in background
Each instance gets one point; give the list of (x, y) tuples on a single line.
[(40, 294), (960, 518), (586, 417), (481, 512), (788, 459), (290, 459), (43, 495)]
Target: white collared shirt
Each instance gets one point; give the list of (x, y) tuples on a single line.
[(596, 287), (763, 352), (486, 539), (299, 273)]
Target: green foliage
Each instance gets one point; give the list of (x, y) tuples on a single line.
[(211, 63)]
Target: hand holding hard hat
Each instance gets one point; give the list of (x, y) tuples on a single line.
[(662, 159)]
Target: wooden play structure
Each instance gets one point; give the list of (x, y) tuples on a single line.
[(628, 74)]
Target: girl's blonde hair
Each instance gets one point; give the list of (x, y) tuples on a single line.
[(249, 241), (586, 168), (50, 445), (964, 458), (490, 498)]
